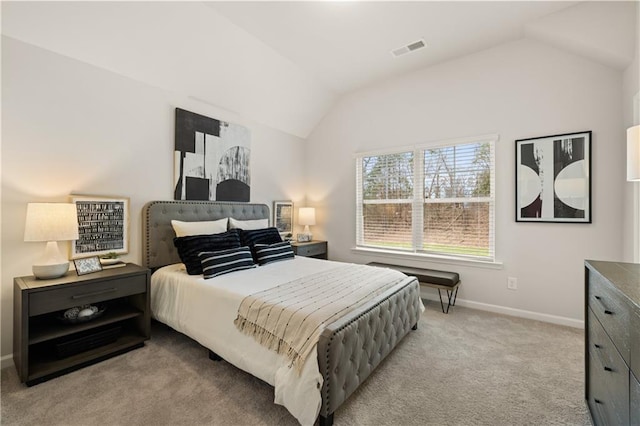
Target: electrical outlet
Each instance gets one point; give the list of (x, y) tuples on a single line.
[(512, 283)]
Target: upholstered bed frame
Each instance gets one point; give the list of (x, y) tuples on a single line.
[(349, 349)]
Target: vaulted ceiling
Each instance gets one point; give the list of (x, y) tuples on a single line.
[(285, 63)]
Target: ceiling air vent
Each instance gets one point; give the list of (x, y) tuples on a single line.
[(411, 47)]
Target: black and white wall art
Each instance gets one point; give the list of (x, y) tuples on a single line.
[(211, 159), (553, 178), (103, 225)]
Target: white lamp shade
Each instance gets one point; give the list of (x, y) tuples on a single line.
[(51, 222), (307, 216), (633, 153)]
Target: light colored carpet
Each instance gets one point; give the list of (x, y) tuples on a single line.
[(465, 368)]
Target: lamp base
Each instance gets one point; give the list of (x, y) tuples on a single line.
[(47, 272)]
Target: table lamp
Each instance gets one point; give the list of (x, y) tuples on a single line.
[(51, 222), (633, 153), (306, 217)]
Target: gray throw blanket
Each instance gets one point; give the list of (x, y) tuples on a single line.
[(290, 318)]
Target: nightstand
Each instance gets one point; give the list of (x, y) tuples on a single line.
[(315, 248), (45, 346)]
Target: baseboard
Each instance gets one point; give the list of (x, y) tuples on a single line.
[(6, 361), (520, 313)]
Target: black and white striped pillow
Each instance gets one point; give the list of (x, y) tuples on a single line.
[(221, 262), (189, 247), (266, 253)]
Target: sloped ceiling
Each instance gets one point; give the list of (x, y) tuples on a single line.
[(601, 31), (284, 64), (185, 47)]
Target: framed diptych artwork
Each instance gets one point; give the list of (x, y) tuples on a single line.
[(553, 178)]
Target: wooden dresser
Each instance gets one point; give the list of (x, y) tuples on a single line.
[(612, 342)]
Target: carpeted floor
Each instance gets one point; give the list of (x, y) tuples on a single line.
[(465, 368)]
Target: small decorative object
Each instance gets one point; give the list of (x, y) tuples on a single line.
[(306, 217), (110, 258), (103, 225), (87, 265), (283, 216), (553, 178), (51, 222), (81, 313)]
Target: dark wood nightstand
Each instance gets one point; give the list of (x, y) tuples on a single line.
[(44, 346), (315, 248)]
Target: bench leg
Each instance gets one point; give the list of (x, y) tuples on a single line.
[(454, 298), (451, 299)]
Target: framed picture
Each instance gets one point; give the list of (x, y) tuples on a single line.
[(103, 226), (87, 265), (303, 238), (553, 178), (283, 216)]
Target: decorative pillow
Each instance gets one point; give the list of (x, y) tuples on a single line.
[(259, 236), (248, 224), (267, 253), (184, 229), (221, 262), (189, 247)]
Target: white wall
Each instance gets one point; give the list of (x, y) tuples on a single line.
[(631, 116), (518, 90), (71, 127)]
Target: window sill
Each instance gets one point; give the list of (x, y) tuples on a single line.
[(387, 254)]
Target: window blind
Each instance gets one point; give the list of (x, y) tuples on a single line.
[(432, 199)]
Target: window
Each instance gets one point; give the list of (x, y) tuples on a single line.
[(431, 199)]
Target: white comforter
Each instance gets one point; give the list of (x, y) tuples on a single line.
[(205, 310)]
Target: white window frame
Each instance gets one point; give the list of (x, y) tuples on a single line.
[(419, 201)]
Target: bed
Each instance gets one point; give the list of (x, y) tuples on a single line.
[(347, 350)]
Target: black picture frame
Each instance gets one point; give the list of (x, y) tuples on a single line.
[(87, 265), (553, 178)]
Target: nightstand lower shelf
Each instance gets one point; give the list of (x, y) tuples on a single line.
[(46, 366)]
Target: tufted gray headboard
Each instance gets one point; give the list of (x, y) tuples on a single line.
[(157, 234)]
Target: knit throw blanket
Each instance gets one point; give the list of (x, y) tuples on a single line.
[(290, 318)]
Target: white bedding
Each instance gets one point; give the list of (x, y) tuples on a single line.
[(205, 310)]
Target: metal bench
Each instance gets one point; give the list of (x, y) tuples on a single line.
[(441, 280)]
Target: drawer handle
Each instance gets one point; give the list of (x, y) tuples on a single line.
[(606, 311), (94, 293), (600, 357)]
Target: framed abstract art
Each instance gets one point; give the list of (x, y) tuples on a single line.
[(553, 178)]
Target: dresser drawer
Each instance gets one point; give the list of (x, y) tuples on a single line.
[(70, 295), (314, 249), (634, 400), (608, 376), (635, 344), (612, 311)]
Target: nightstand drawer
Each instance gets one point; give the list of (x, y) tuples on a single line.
[(612, 312), (57, 299), (309, 250)]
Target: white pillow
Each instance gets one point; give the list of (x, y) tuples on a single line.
[(248, 224), (184, 229)]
